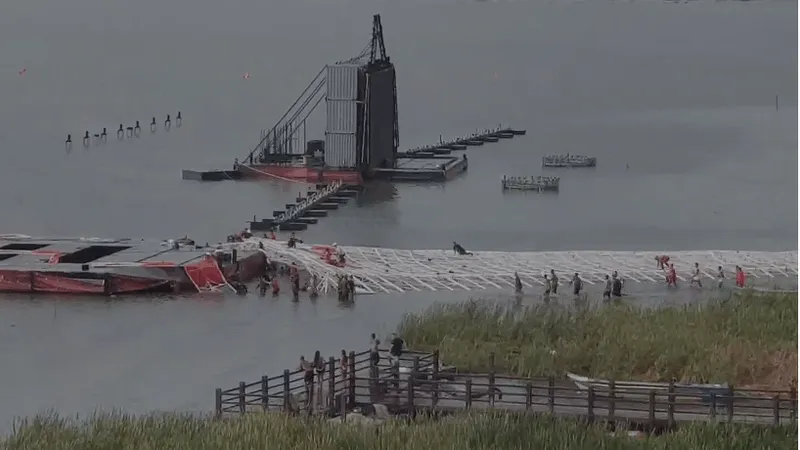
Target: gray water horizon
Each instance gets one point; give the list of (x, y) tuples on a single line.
[(681, 94)]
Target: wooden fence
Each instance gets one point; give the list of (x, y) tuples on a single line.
[(423, 385)]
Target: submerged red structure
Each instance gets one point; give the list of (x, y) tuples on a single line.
[(119, 266)]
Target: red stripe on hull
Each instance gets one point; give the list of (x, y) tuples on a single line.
[(304, 174)]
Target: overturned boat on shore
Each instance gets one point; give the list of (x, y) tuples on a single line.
[(94, 266)]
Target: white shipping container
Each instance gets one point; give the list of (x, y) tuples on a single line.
[(340, 150), (341, 116), (342, 81)]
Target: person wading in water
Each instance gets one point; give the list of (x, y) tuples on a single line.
[(577, 284), (607, 288), (517, 284), (459, 250), (696, 276), (553, 281), (616, 285)]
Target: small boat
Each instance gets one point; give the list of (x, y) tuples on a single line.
[(568, 160), (638, 389), (535, 183)]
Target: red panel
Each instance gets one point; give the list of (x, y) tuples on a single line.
[(59, 284), (205, 274), (130, 285), (15, 281)]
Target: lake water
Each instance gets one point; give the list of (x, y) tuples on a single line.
[(683, 94)]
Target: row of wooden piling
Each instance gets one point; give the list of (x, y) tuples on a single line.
[(125, 132)]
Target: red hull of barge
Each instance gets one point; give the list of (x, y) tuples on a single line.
[(300, 173)]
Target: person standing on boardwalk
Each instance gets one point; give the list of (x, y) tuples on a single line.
[(308, 375), (343, 363), (374, 355), (396, 350)]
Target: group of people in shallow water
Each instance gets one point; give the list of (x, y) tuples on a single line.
[(671, 275), (613, 285)]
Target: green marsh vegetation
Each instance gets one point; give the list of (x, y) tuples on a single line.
[(749, 340), (278, 432)]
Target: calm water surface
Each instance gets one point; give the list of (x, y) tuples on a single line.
[(683, 94)]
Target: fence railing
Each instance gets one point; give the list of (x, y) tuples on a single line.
[(290, 392), (421, 384)]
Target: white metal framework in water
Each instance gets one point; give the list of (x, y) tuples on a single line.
[(569, 161), (392, 270), (535, 183)]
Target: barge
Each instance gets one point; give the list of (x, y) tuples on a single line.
[(568, 160), (94, 266)]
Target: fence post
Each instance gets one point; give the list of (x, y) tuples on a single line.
[(468, 389), (528, 396), (612, 400), (551, 394), (491, 379), (351, 371), (651, 413), (331, 384), (342, 408), (286, 392), (242, 399), (671, 405), (435, 399), (265, 392), (712, 413), (776, 410), (410, 388), (731, 397), (590, 404), (373, 378), (218, 403)]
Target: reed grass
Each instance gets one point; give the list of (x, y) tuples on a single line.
[(491, 431), (747, 340)]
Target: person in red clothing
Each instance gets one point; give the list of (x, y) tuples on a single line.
[(276, 288), (739, 277), (672, 276), (662, 261)]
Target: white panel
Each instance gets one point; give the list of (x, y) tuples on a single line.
[(340, 150), (342, 82)]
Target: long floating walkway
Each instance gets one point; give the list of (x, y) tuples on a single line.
[(393, 270)]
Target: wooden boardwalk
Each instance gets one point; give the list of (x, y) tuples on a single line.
[(422, 385)]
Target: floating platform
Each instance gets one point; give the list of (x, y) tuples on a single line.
[(211, 175), (315, 213), (315, 204), (327, 206), (424, 169), (307, 220), (535, 183), (475, 139), (567, 160), (392, 270), (93, 266)]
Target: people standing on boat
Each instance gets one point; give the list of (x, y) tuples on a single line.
[(739, 277), (577, 284), (672, 276), (607, 289), (720, 277), (553, 281), (616, 285), (662, 261), (517, 284), (696, 276), (459, 250)]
